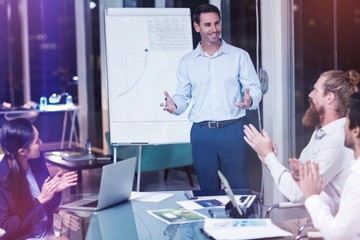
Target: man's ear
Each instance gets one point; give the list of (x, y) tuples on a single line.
[(331, 96), (356, 132), (197, 27)]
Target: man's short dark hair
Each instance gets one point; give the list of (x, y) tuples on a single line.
[(205, 8), (354, 110)]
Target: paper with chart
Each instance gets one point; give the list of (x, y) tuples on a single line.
[(254, 228), (177, 215)]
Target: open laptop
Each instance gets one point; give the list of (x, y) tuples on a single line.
[(115, 187)]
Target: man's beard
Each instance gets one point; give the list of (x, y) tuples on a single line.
[(311, 117)]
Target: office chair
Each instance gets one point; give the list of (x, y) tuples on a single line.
[(312, 234), (282, 205)]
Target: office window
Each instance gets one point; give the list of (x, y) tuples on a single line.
[(47, 28), (139, 3), (327, 33), (52, 49), (11, 75)]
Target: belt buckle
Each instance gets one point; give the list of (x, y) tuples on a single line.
[(213, 124)]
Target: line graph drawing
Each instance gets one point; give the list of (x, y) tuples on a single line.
[(139, 77)]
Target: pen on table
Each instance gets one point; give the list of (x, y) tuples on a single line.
[(212, 214), (165, 103)]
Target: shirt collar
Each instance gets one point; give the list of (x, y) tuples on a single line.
[(224, 49), (355, 165), (333, 126)]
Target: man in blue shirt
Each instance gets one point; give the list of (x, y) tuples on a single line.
[(222, 83)]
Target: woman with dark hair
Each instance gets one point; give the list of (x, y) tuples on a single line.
[(28, 196)]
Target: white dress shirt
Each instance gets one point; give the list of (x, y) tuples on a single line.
[(215, 83), (345, 224), (334, 162)]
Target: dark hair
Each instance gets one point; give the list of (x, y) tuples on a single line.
[(342, 84), (205, 8), (17, 134), (354, 110)]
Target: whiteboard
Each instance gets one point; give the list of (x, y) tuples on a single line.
[(143, 49)]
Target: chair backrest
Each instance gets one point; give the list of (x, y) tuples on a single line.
[(156, 157)]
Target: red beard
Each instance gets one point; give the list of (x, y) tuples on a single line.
[(311, 117)]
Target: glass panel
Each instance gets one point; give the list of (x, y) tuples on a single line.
[(313, 32), (11, 89), (52, 48), (52, 55), (316, 45), (348, 27), (52, 58), (139, 3), (95, 133), (239, 29)]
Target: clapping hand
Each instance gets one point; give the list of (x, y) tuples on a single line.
[(294, 165), (67, 179), (260, 142), (65, 220), (310, 182), (169, 104), (48, 189)]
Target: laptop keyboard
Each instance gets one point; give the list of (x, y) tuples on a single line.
[(91, 204)]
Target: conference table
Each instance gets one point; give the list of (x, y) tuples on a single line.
[(130, 220)]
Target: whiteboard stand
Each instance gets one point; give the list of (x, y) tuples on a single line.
[(115, 152), (139, 164), (139, 169)]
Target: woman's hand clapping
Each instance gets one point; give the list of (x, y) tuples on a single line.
[(67, 179), (48, 189)]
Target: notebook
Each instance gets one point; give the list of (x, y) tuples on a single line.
[(115, 186)]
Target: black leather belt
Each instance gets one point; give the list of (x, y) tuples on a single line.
[(218, 124)]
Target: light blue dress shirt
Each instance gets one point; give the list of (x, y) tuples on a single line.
[(215, 83)]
